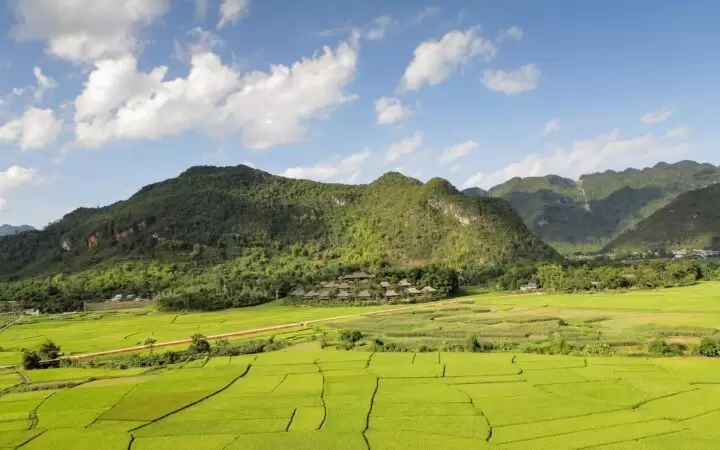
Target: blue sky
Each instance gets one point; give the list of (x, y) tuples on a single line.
[(99, 98)]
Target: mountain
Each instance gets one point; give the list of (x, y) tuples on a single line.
[(223, 210), (591, 211), (690, 221), (9, 230), (475, 192)]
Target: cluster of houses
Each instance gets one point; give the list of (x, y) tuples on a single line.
[(359, 286), (695, 254)]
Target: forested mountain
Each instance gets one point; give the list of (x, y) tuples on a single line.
[(9, 230), (591, 211), (691, 221), (475, 192), (221, 211)]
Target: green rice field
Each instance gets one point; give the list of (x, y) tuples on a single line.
[(304, 398), (623, 320)]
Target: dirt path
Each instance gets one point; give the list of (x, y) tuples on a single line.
[(279, 327)]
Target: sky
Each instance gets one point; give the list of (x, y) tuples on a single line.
[(101, 97)]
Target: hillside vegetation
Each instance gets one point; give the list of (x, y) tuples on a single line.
[(690, 221), (591, 211), (221, 212)]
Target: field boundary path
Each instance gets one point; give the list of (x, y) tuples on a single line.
[(275, 327)]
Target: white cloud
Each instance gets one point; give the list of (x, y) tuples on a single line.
[(391, 110), (86, 30), (513, 32), (350, 165), (265, 109), (201, 7), (450, 154), (604, 152), (434, 61), (658, 116), (232, 10), (37, 128), (426, 13), (404, 146), (678, 132), (552, 126), (377, 28), (44, 83), (15, 177), (512, 82)]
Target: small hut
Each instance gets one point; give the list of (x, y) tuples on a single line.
[(390, 294), (343, 295), (342, 286), (413, 292), (311, 294), (330, 285), (404, 283), (324, 295), (530, 287), (384, 285), (364, 295), (429, 290), (297, 293)]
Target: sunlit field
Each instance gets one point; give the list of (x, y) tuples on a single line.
[(327, 399)]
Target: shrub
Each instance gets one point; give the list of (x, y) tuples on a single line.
[(31, 360), (659, 347), (709, 348)]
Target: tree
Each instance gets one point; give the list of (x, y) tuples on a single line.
[(199, 344), (49, 350), (150, 343), (31, 360)]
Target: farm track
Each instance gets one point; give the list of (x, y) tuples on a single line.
[(277, 327)]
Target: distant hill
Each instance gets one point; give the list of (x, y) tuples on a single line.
[(475, 192), (224, 210), (690, 221), (591, 211), (9, 230)]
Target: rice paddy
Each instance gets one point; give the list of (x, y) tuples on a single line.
[(329, 399)]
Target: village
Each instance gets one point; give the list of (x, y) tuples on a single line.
[(360, 286)]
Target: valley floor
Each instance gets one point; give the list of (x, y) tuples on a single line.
[(327, 399)]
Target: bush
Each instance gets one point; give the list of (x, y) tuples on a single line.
[(31, 360), (709, 348), (659, 347)]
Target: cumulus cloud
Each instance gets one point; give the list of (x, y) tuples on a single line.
[(390, 110), (435, 61), (678, 132), (604, 152), (450, 154), (86, 30), (264, 109), (404, 146), (552, 126), (512, 82), (657, 116), (232, 10), (36, 128), (349, 165), (15, 177), (375, 31)]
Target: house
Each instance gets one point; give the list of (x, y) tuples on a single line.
[(343, 295), (311, 294), (329, 285), (391, 294), (297, 293), (357, 276), (385, 285), (342, 286), (404, 283), (530, 287), (413, 291), (429, 290), (117, 298), (32, 312), (364, 295), (324, 295)]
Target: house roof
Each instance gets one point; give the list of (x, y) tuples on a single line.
[(298, 292), (412, 290), (342, 286), (429, 289), (364, 294), (324, 293), (343, 294), (384, 284), (310, 294), (391, 293), (404, 283)]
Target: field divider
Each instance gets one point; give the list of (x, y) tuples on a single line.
[(322, 397), (367, 418), (292, 417), (23, 444), (266, 329), (635, 440), (124, 396), (33, 414), (644, 402), (281, 382), (212, 394), (479, 412)]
